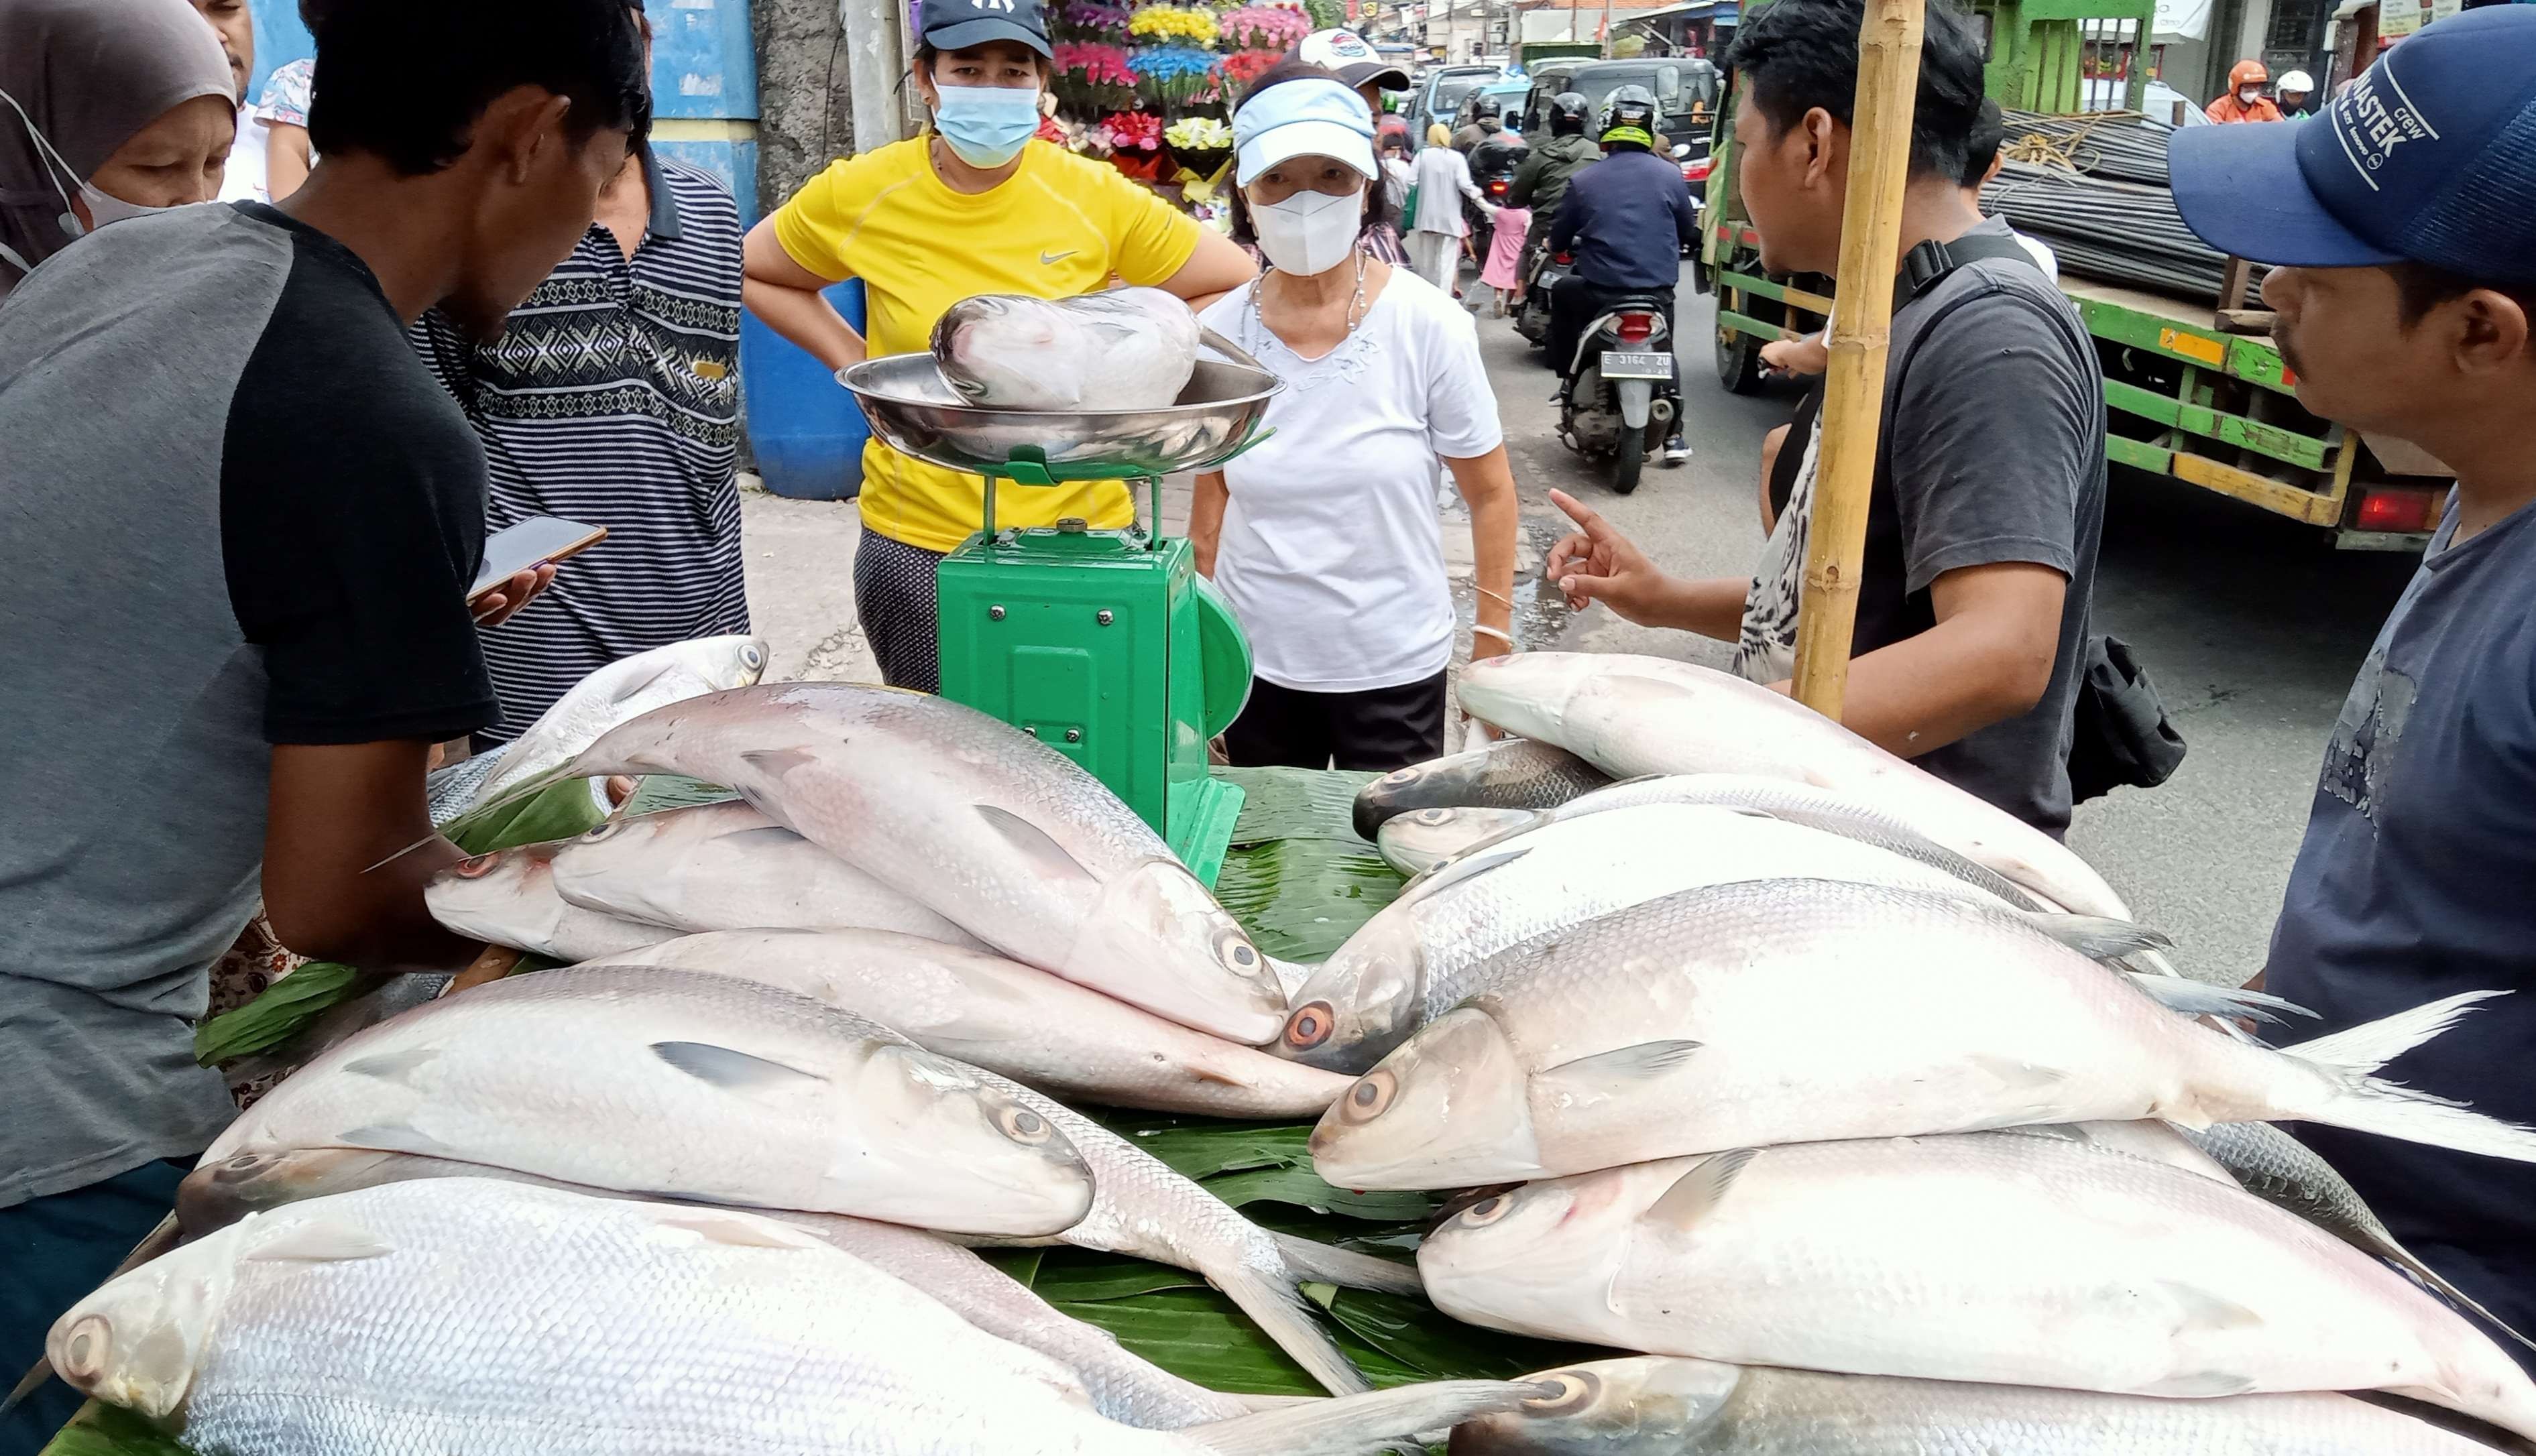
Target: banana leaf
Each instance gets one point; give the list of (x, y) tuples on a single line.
[(558, 811), (276, 1014), (1296, 803)]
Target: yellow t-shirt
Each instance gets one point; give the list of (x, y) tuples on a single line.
[(1059, 227)]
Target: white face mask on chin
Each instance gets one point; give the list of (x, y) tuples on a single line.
[(1308, 232)]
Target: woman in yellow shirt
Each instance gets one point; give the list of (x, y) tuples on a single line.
[(973, 206)]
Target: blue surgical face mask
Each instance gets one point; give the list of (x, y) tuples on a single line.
[(986, 126)]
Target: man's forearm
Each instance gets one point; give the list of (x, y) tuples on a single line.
[(1930, 690), (1712, 606)]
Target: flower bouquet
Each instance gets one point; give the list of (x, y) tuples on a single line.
[(1241, 67), (1093, 76), (1091, 20), (1173, 24), (1172, 76), (1138, 138), (1276, 28), (1203, 145)]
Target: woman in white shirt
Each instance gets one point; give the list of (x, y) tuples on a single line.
[(1325, 539), (1441, 179)]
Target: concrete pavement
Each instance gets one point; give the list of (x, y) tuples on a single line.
[(2251, 626)]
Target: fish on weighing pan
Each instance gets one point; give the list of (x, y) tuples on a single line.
[(506, 1320), (684, 1085), (1998, 1257), (1678, 1025), (1655, 1405), (1124, 1387), (1509, 774), (988, 827), (1126, 348)]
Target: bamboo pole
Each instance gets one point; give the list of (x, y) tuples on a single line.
[(1879, 163)]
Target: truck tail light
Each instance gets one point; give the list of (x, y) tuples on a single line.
[(2399, 509)]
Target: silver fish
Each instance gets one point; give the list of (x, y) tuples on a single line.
[(1430, 949), (724, 867), (1633, 715), (1655, 1405), (1124, 1387), (514, 1320), (1126, 348), (2278, 1169), (1041, 1029), (2004, 1259), (1509, 774), (1422, 839), (1675, 1025), (988, 826), (509, 898), (686, 1086), (391, 995), (625, 689)]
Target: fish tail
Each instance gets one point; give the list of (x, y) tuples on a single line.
[(1268, 1294), (2356, 1099), (1358, 1424), (1308, 1259)]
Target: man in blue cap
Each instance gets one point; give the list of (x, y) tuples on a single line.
[(2403, 223)]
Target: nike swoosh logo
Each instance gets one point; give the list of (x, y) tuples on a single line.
[(1047, 258)]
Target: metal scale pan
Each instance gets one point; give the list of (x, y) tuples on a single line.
[(915, 411)]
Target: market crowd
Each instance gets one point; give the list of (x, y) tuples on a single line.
[(251, 451)]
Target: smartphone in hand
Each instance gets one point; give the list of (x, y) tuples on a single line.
[(534, 542)]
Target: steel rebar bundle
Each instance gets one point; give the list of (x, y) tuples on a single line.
[(2119, 231)]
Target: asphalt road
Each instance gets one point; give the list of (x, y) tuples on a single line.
[(2251, 626)]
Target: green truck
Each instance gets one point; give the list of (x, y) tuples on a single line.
[(2190, 393)]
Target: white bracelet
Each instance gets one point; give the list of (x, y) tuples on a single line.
[(1506, 638)]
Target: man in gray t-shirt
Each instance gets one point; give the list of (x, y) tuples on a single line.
[(1990, 477)]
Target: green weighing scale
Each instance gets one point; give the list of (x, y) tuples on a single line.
[(1104, 645)]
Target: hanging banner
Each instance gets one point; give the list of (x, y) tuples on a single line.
[(2180, 19), (2396, 18)]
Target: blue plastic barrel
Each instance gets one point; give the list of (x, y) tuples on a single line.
[(808, 431)]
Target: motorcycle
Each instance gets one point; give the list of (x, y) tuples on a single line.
[(1620, 398), (1694, 172), (1493, 168), (1542, 271)]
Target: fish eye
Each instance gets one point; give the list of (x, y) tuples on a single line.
[(1487, 1210), (603, 830), (1023, 1125), (242, 1167), (84, 1354), (1370, 1097), (1234, 949), (1570, 1389), (1311, 1025), (751, 657), (474, 867), (1407, 775), (1436, 816)]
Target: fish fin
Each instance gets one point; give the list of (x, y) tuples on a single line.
[(2197, 1385), (1695, 1193), (1308, 1259), (1283, 1315), (735, 1230), (731, 1071), (394, 1066), (322, 1240), (769, 834), (2097, 937), (774, 763), (1034, 843), (2385, 1246), (1201, 1072), (1624, 1064), (2203, 1311), (2023, 1075), (2366, 1047), (1357, 1425), (397, 1137), (2200, 999)]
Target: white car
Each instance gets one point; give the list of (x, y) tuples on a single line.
[(2159, 101)]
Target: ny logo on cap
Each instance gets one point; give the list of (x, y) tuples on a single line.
[(1004, 5)]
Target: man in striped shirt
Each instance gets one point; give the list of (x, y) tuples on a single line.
[(612, 397)]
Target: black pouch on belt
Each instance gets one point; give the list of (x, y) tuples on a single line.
[(2121, 733)]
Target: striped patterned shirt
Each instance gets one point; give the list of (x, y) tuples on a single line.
[(612, 397)]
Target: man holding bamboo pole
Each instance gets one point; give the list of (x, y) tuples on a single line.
[(1989, 490)]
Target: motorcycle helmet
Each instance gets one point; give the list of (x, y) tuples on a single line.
[(1484, 108), (1568, 113), (1629, 116)]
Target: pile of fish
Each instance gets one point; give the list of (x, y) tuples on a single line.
[(1863, 1113), (1862, 1109)]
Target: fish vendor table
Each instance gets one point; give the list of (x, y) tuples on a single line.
[(1301, 880)]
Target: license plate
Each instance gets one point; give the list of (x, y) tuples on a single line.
[(1633, 365)]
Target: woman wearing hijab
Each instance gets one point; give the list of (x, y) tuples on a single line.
[(1324, 537), (1441, 179), (108, 109)]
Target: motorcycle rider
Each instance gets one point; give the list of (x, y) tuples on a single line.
[(1541, 179), (1484, 123), (1626, 219)]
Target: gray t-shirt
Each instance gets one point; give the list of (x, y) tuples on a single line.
[(1992, 450), (240, 513)]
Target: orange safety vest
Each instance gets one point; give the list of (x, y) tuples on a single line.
[(2228, 108)]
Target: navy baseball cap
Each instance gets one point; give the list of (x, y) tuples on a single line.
[(950, 24), (2430, 156)]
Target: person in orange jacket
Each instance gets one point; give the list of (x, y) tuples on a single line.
[(2245, 100)]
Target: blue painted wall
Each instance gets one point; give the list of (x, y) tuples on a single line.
[(703, 68)]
